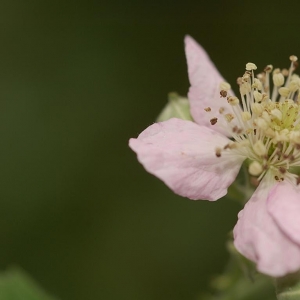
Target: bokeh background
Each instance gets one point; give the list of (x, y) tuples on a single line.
[(77, 80)]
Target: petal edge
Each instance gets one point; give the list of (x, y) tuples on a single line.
[(182, 154)]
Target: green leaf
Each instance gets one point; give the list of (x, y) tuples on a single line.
[(17, 285)]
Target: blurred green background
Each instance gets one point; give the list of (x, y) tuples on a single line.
[(77, 80)]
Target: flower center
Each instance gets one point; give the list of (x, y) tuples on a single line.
[(264, 126)]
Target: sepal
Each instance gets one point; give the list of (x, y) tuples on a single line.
[(177, 107)]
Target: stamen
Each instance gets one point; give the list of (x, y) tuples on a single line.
[(264, 127)]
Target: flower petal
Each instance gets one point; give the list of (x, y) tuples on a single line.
[(205, 87), (258, 237), (284, 206), (182, 154)]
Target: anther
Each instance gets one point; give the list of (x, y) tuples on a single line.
[(259, 148), (239, 80), (213, 121), (293, 58), (257, 96), (225, 86), (282, 170), (283, 91), (257, 84), (294, 85), (278, 79), (270, 132), (261, 77), (233, 100), (276, 113), (255, 168), (295, 137), (285, 72), (246, 116), (295, 65), (218, 152), (246, 77), (221, 110), (256, 108), (279, 145), (291, 157), (207, 109), (262, 123), (276, 71), (251, 66), (223, 93), (268, 69), (229, 117)]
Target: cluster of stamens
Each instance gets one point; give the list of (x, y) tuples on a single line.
[(264, 124)]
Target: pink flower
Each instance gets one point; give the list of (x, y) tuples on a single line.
[(201, 159)]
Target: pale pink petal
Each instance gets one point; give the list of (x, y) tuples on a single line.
[(257, 236), (182, 154), (205, 87), (284, 206)]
